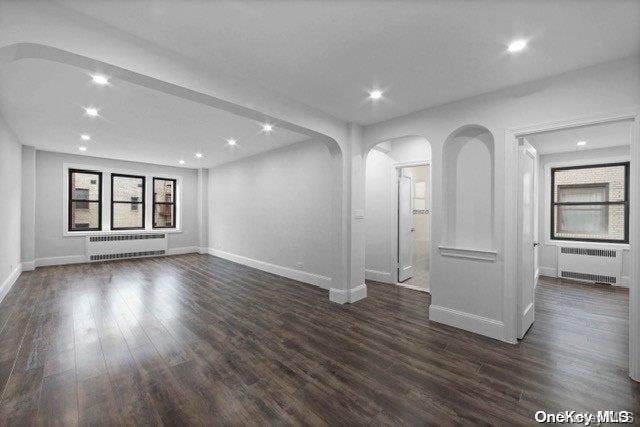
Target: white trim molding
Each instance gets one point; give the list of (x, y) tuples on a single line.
[(343, 296), (60, 260), (79, 259), (323, 282), (548, 271), (10, 281), (469, 253), (181, 251), (379, 276), (28, 265), (469, 322)]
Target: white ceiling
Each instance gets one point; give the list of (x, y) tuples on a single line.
[(43, 103), (596, 136), (327, 54)]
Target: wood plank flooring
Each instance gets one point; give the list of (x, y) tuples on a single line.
[(195, 339)]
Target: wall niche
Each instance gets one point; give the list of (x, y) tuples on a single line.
[(468, 197)]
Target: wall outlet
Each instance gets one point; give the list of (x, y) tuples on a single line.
[(299, 265)]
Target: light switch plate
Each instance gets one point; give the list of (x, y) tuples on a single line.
[(358, 213)]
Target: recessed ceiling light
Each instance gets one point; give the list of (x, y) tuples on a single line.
[(100, 79), (85, 137), (231, 141), (375, 94), (198, 155), (181, 162), (91, 111), (82, 148), (581, 143), (267, 127), (517, 45)]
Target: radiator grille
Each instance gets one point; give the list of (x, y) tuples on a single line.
[(105, 257), (608, 253), (115, 237), (586, 276)]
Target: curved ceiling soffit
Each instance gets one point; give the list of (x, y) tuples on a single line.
[(370, 144), (18, 51)]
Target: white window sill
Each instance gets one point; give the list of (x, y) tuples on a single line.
[(112, 232), (576, 243)]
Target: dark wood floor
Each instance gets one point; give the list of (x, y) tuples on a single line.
[(199, 340)]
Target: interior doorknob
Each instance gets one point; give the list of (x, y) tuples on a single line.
[(413, 229), (536, 244)]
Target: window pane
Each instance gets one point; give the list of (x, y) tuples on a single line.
[(125, 189), (163, 216), (602, 184), (163, 190), (84, 216), (84, 186), (127, 215), (605, 222)]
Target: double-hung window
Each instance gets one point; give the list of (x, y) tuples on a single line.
[(127, 202), (590, 203), (85, 200), (164, 203)]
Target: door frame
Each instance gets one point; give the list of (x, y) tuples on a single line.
[(510, 290), (395, 238)]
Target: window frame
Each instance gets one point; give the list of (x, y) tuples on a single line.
[(174, 203), (71, 200), (141, 202), (624, 203)]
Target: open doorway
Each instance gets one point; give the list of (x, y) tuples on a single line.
[(573, 234), (414, 212), (398, 211)]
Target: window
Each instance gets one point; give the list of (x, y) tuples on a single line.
[(164, 203), (85, 200), (590, 203), (127, 202)]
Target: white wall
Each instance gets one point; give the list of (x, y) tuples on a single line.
[(470, 292), (381, 203), (49, 239), (10, 190), (547, 251), (28, 223), (274, 211)]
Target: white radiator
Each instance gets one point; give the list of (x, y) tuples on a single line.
[(590, 265), (119, 246)]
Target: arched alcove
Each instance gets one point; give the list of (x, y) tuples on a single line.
[(468, 197)]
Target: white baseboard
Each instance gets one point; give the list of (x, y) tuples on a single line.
[(202, 250), (301, 276), (343, 296), (78, 259), (547, 271), (378, 276), (8, 283), (414, 288), (182, 250), (467, 321), (28, 265), (60, 260)]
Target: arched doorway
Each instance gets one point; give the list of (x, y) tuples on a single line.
[(398, 205)]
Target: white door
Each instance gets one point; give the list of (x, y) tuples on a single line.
[(405, 228), (526, 238)]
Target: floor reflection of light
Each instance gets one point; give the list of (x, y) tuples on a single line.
[(165, 297), (131, 294)]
